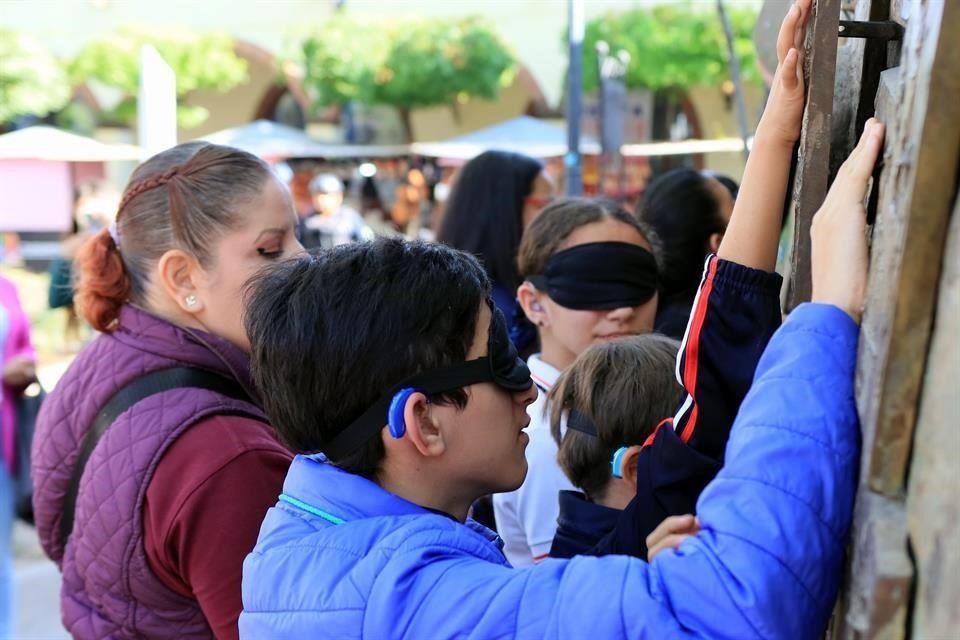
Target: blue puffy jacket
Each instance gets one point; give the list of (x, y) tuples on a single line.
[(340, 557)]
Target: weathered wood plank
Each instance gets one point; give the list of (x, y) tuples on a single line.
[(878, 594), (813, 169), (916, 197), (933, 501)]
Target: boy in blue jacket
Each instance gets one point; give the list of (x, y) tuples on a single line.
[(386, 367)]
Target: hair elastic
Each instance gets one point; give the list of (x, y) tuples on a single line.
[(395, 421), (617, 462)]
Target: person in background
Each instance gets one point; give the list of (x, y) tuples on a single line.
[(17, 371), (94, 210), (689, 212), (589, 276), (726, 181), (411, 197), (494, 198), (151, 529), (60, 292), (332, 223)]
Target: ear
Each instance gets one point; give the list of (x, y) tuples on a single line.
[(180, 274), (714, 241), (422, 429), (531, 301), (629, 466)]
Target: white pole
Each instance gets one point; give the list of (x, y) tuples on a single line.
[(156, 104)]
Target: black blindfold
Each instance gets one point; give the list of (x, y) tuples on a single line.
[(501, 366), (599, 276)]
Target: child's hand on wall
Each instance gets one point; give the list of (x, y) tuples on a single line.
[(784, 111), (670, 533), (838, 234)]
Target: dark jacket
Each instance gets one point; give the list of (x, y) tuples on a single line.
[(736, 312), (581, 525)]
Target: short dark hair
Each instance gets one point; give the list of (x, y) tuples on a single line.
[(625, 387), (332, 332), (483, 214), (684, 212)]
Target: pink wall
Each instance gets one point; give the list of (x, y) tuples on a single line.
[(88, 172), (35, 195)]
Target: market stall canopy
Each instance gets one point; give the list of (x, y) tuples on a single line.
[(684, 147), (272, 141), (49, 143), (524, 134)]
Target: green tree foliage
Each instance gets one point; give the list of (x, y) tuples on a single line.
[(405, 64), (673, 46), (340, 61), (439, 61), (32, 81), (199, 60)]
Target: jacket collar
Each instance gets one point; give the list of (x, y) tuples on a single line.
[(143, 331), (583, 521), (543, 374), (345, 496)]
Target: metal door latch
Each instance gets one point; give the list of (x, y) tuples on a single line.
[(887, 30)]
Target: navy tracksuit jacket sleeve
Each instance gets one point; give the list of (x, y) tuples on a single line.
[(736, 312)]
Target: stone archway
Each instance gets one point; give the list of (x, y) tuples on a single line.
[(273, 95)]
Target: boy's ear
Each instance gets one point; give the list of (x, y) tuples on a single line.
[(422, 430), (629, 464), (179, 273), (531, 302)]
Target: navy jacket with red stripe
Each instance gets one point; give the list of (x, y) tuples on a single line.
[(736, 312)]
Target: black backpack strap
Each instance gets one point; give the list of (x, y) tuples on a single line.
[(127, 396)]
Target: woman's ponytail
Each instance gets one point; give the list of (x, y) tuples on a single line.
[(102, 283)]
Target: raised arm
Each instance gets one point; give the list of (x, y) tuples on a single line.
[(752, 235)]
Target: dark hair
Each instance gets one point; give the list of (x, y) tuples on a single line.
[(729, 183), (556, 222), (625, 387), (684, 213), (180, 198), (484, 211), (334, 331)]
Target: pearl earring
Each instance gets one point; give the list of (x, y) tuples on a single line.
[(191, 300)]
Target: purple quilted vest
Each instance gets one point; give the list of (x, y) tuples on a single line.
[(109, 590)]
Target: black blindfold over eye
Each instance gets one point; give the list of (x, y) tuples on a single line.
[(501, 366), (600, 276)]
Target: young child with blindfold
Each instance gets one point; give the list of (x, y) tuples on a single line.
[(590, 276), (622, 389)]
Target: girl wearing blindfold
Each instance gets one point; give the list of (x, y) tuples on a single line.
[(589, 276)]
